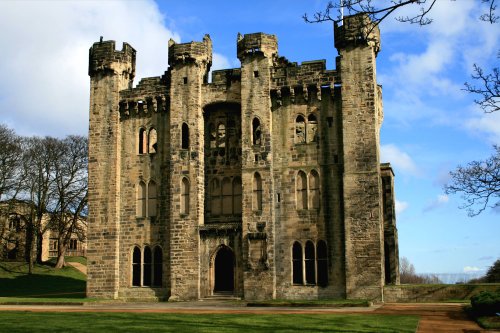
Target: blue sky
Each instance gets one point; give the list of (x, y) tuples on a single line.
[(430, 124)]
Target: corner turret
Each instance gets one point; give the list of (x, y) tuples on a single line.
[(259, 42), (103, 58), (357, 30), (197, 52)]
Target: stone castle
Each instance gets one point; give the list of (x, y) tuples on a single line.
[(263, 183)]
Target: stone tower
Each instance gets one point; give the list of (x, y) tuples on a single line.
[(264, 182), (110, 72)]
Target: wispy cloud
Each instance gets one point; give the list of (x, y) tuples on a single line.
[(401, 206), (401, 161), (471, 269), (439, 201)]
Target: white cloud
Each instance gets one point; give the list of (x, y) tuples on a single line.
[(488, 123), (45, 86), (439, 201), (471, 269), (401, 161), (401, 206)]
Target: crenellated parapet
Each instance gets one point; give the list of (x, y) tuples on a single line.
[(193, 52), (149, 97), (103, 58), (357, 30), (257, 43)]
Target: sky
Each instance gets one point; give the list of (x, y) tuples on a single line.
[(430, 124)]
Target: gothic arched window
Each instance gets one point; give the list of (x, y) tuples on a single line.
[(152, 141), (314, 190), (257, 192), (312, 128), (256, 132), (136, 267), (297, 271), (310, 263), (301, 190), (300, 129), (185, 196)]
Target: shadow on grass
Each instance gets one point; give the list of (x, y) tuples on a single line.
[(46, 282)]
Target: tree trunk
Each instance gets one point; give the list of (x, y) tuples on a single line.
[(61, 251), (30, 244), (39, 253)]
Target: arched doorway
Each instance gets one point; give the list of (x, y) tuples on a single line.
[(224, 271)]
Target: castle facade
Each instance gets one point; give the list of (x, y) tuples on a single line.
[(264, 182)]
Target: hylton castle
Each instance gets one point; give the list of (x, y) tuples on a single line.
[(263, 182)]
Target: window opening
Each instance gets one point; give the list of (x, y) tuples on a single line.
[(152, 139), (297, 271), (300, 128), (136, 267), (310, 263), (301, 190), (257, 192), (147, 267), (314, 189), (185, 196), (185, 136)]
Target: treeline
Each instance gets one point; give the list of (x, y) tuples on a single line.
[(407, 274), (492, 275), (48, 177)]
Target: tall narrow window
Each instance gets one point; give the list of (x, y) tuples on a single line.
[(185, 136), (312, 128), (301, 190), (142, 141), (152, 141), (300, 129), (237, 198), (310, 263), (322, 256), (147, 267), (257, 192), (314, 190), (136, 267), (227, 197), (185, 196), (215, 195), (158, 267), (152, 198), (297, 272), (141, 199), (256, 132), (212, 135)]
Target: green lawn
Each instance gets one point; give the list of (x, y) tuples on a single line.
[(45, 282), (220, 323)]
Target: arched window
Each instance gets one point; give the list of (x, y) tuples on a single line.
[(185, 136), (300, 129), (152, 198), (136, 267), (185, 196), (297, 271), (227, 197), (312, 129), (314, 190), (310, 263), (257, 192), (143, 146), (322, 256), (147, 267), (157, 267), (141, 199), (301, 190), (152, 140), (237, 198), (256, 132), (215, 196)]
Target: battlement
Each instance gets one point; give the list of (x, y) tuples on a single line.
[(357, 30), (257, 43), (197, 52), (102, 56), (307, 73), (226, 76)]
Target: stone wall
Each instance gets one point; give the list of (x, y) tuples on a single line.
[(435, 293)]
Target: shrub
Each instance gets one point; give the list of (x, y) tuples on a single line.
[(486, 303)]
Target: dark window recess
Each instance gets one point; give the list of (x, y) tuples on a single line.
[(256, 74), (185, 80)]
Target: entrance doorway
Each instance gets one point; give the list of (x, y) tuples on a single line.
[(224, 270)]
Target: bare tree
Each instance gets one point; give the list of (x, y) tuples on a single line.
[(38, 190), (409, 276), (488, 88), (10, 161), (70, 175), (478, 183)]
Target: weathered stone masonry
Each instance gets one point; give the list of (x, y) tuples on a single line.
[(263, 183)]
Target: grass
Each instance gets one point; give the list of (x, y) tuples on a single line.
[(45, 282), (81, 260), (167, 322)]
